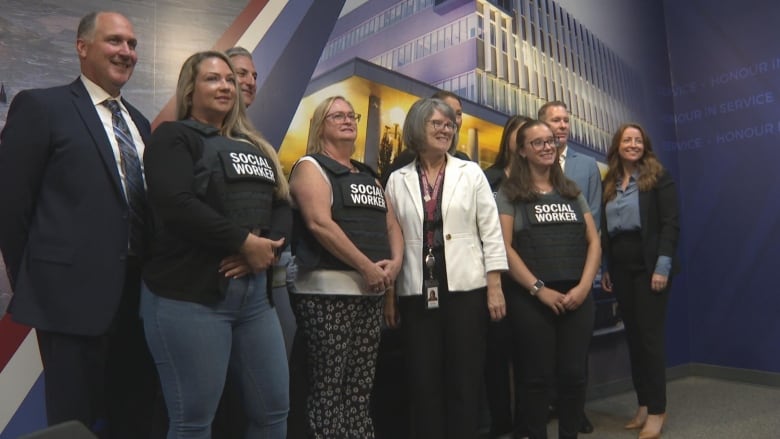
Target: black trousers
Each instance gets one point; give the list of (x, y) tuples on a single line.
[(502, 378), (445, 354), (644, 317), (554, 352), (108, 382), (297, 419)]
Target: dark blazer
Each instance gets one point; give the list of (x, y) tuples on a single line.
[(495, 176), (64, 226), (659, 218)]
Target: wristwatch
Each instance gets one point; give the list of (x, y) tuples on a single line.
[(538, 285)]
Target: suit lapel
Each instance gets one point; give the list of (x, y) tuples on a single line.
[(571, 164), (412, 184), (452, 175), (644, 206), (89, 116), (140, 122)]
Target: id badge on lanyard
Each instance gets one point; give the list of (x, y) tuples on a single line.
[(431, 284), (430, 196)]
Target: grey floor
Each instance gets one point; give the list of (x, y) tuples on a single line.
[(697, 408)]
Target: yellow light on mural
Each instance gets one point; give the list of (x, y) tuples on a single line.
[(397, 115)]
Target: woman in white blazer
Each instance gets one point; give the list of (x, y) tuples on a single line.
[(453, 248)]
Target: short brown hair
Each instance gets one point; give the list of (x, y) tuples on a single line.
[(542, 113)]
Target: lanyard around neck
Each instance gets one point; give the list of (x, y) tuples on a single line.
[(431, 196)]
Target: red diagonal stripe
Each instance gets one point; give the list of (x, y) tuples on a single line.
[(11, 336), (240, 25), (226, 41)]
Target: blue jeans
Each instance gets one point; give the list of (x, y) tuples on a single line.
[(195, 345)]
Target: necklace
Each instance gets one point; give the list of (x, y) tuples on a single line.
[(430, 190), (434, 174)]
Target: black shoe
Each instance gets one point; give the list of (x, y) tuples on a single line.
[(586, 427)]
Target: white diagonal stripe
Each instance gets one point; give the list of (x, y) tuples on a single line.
[(18, 377)]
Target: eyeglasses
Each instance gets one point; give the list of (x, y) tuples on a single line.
[(340, 117), (541, 143), (439, 124)]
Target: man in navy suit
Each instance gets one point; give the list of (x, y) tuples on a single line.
[(65, 235), (580, 168)]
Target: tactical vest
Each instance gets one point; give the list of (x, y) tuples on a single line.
[(235, 178), (553, 244), (358, 208)]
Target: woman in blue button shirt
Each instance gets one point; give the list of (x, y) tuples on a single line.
[(639, 238)]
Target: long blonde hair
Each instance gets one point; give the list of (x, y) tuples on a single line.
[(236, 124), (648, 167)]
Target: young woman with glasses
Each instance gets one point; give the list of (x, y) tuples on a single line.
[(554, 252)]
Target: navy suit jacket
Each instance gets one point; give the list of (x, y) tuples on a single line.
[(583, 170), (64, 226)]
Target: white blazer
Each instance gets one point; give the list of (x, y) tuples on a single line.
[(473, 244)]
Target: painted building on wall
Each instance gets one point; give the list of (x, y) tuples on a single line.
[(511, 56), (502, 59)]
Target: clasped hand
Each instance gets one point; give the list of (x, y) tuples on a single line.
[(257, 254), (379, 276), (559, 303)]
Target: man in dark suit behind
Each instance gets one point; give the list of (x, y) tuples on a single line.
[(65, 235)]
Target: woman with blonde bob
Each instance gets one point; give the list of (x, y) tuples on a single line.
[(348, 250), (639, 233), (218, 203)]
